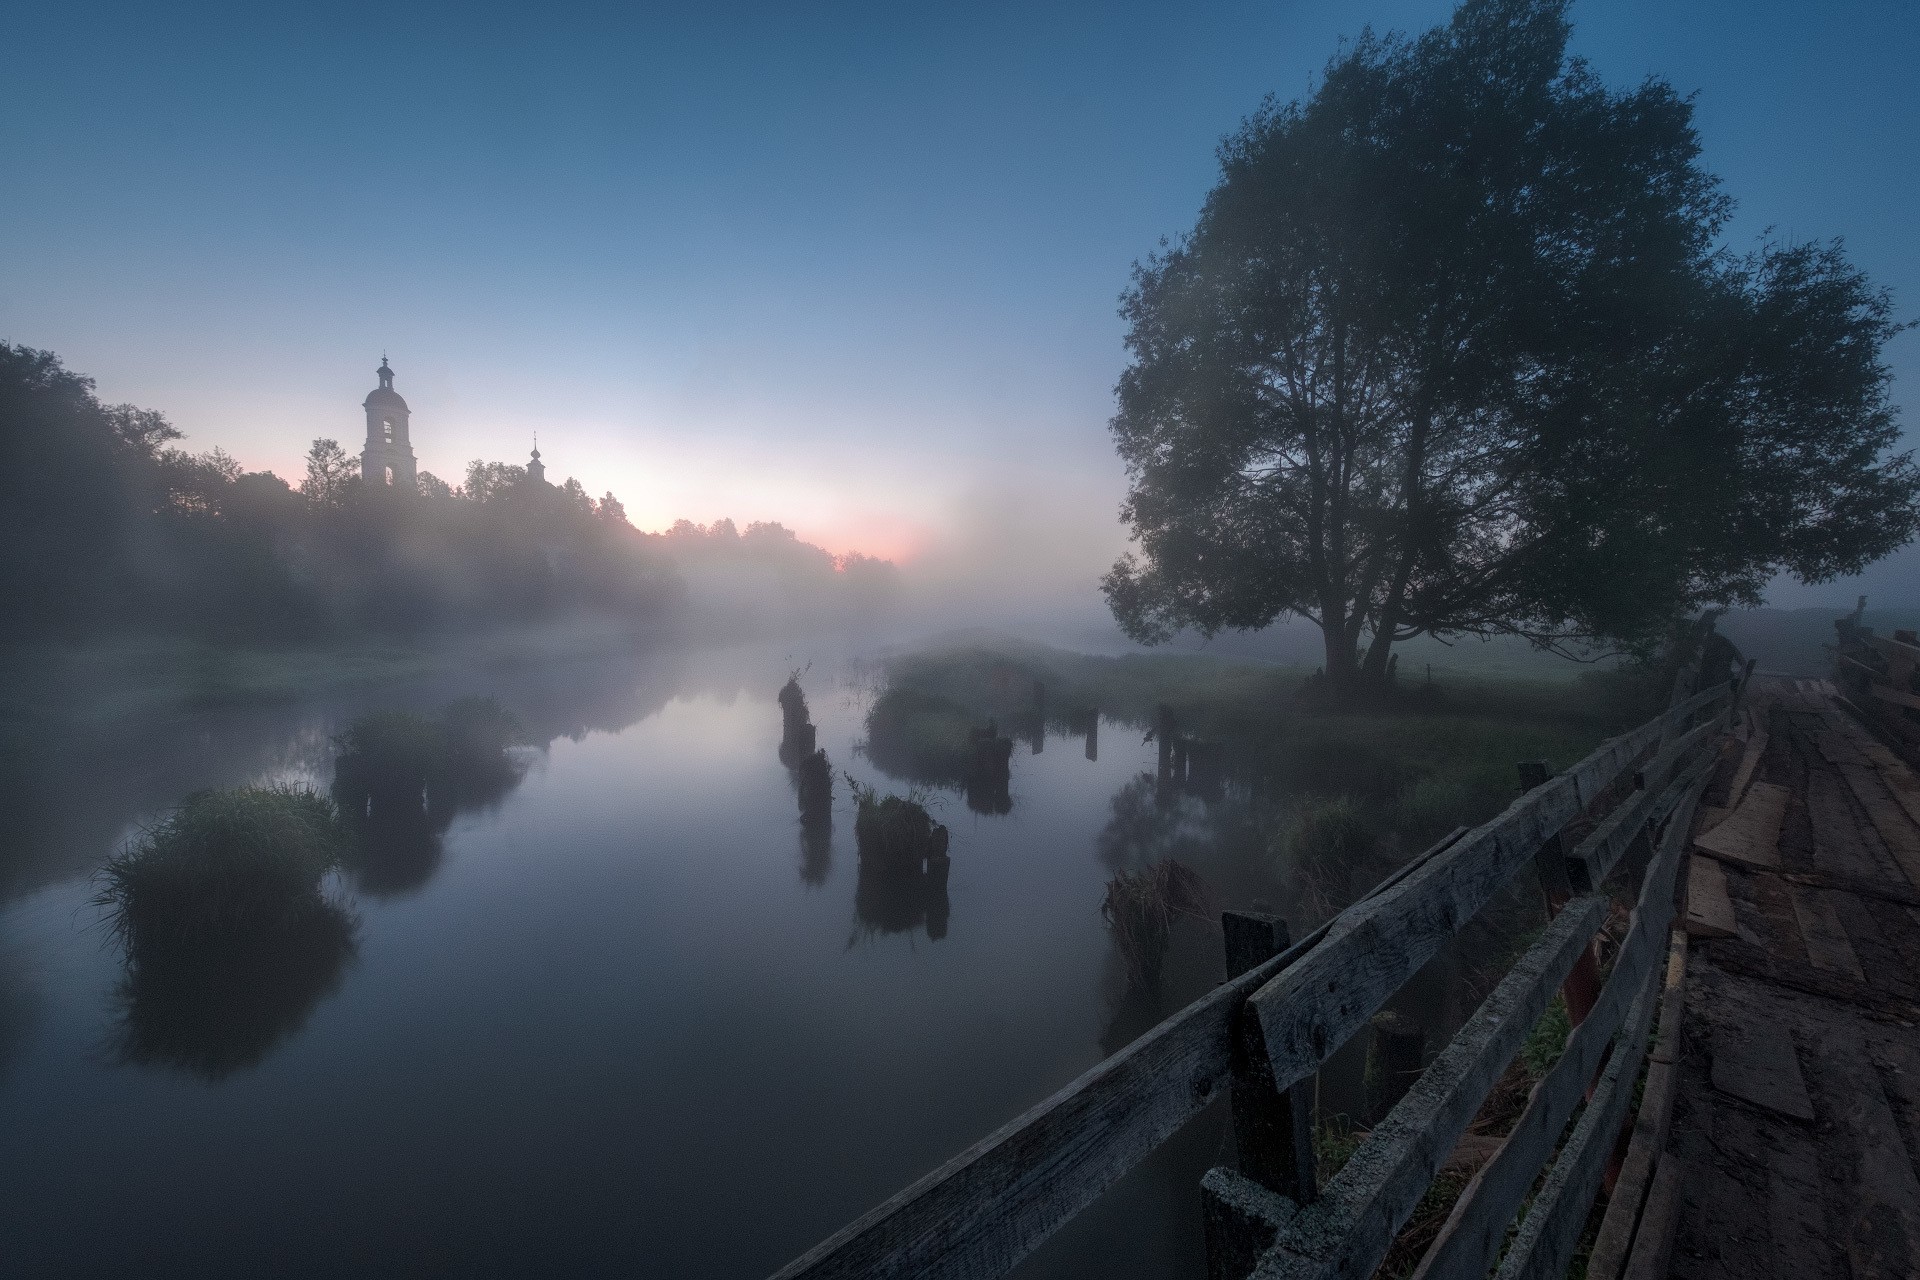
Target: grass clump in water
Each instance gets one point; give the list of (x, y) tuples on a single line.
[(229, 937), (224, 865), (1140, 908), (895, 833)]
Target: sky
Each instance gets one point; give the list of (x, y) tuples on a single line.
[(851, 268)]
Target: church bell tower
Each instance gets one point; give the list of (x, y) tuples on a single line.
[(387, 458)]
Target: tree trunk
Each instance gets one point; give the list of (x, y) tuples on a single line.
[(1343, 673)]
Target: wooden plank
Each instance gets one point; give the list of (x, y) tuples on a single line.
[(1756, 1062), (1889, 819), (1709, 909), (1348, 1230), (1544, 1244), (1618, 1226), (1470, 1240), (1653, 1244), (1826, 939), (991, 1205), (1883, 1239), (1749, 762), (1751, 834), (1652, 1122), (1372, 948), (1898, 697)]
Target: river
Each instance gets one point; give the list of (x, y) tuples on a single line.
[(619, 1019)]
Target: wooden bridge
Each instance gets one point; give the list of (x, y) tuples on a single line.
[(1762, 1129)]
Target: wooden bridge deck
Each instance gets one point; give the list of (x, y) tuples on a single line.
[(1796, 1115)]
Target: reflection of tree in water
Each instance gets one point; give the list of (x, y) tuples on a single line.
[(218, 1008), (398, 809), (1146, 823), (923, 738)]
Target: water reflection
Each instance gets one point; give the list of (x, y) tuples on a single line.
[(900, 901), (816, 852), (217, 1009)]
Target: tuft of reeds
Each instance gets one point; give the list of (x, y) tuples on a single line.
[(895, 833), (793, 706), (226, 866), (1140, 908)]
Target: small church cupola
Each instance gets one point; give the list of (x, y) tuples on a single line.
[(387, 458), (536, 469)]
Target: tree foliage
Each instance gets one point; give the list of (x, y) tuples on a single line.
[(1454, 349), (106, 526)]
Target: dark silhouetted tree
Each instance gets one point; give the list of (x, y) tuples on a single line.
[(329, 474), (1452, 350)]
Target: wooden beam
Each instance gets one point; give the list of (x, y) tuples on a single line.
[(1617, 1233), (1547, 1236), (1594, 858)]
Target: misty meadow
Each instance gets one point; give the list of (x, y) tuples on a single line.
[(1081, 641)]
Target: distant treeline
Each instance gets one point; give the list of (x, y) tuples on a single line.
[(107, 526)]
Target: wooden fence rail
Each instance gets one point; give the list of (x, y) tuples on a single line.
[(1269, 1028)]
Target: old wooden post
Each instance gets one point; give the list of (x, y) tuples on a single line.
[(1273, 1130), (1163, 736), (1582, 986), (1093, 734)]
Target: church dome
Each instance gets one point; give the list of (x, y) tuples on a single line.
[(384, 396)]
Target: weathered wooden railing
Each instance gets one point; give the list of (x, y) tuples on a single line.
[(1285, 1009)]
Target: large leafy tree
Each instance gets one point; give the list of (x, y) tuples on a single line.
[(1454, 349)]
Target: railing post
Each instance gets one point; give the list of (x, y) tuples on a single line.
[(1273, 1129), (1582, 987)]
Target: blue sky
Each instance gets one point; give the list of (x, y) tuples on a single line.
[(853, 268)]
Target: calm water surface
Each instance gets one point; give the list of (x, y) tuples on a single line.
[(616, 1021)]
